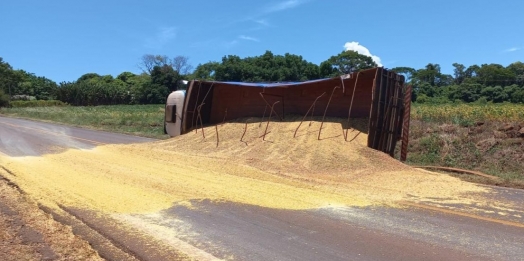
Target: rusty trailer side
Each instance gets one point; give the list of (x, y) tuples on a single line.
[(377, 94)]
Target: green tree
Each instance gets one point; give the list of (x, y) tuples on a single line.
[(265, 68), (126, 76), (37, 86), (88, 76), (469, 91), (205, 71), (495, 74), (230, 69), (459, 72), (180, 64), (350, 61), (4, 99), (9, 79), (495, 94), (165, 76), (472, 71), (430, 74), (514, 93), (406, 71), (517, 68), (327, 70)]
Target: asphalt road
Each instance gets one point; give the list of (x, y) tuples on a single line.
[(20, 137), (224, 230)]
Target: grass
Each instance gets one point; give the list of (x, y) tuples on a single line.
[(37, 103), (140, 120)]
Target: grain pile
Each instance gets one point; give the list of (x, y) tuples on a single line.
[(281, 172)]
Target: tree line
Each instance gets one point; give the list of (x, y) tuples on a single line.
[(162, 74), (484, 83)]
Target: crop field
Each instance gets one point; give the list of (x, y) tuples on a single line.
[(465, 114)]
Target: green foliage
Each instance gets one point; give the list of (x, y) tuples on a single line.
[(93, 92), (431, 147), (9, 78), (205, 71), (406, 71), (264, 68), (39, 87), (88, 76), (37, 103), (152, 93), (350, 61), (495, 74), (422, 98), (165, 76), (446, 135), (4, 99), (431, 76), (485, 83), (459, 73)]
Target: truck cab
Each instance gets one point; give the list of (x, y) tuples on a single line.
[(173, 113)]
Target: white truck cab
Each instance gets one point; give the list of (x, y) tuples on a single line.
[(173, 113)]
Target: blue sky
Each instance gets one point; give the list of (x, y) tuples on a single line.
[(64, 39)]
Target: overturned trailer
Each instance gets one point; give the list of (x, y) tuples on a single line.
[(377, 94)]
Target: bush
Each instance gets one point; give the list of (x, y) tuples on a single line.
[(37, 103), (422, 98), (482, 101), (4, 99)]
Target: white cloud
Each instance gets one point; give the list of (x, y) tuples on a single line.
[(355, 46), (263, 22), (280, 6), (513, 49), (162, 37), (248, 38), (230, 44)]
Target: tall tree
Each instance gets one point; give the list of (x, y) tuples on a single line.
[(518, 70), (165, 76), (459, 72), (351, 61), (149, 61), (265, 68), (9, 78), (406, 71), (39, 87), (495, 74), (88, 76), (430, 74), (205, 71), (472, 71), (181, 65)]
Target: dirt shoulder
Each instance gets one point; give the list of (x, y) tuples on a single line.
[(494, 148), (27, 233)]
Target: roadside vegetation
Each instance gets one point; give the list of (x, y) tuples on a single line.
[(141, 120), (484, 137)]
